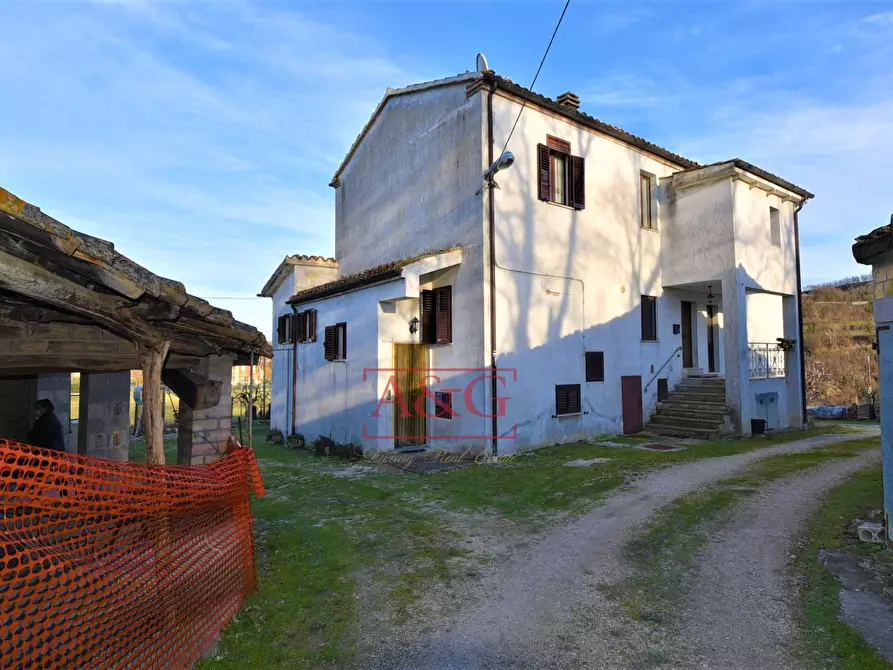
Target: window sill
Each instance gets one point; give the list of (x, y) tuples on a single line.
[(560, 206), (650, 230), (338, 360), (650, 341), (575, 415)]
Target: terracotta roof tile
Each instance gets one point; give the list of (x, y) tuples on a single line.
[(373, 275)]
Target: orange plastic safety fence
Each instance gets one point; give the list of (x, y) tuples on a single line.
[(111, 565)]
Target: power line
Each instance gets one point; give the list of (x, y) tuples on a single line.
[(533, 83)]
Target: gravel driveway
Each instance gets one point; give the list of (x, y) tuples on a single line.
[(739, 616), (544, 607)]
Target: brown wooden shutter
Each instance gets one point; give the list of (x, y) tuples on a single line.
[(545, 173), (426, 307), (578, 179), (311, 324), (443, 320), (558, 144), (298, 327), (343, 327), (329, 343), (649, 317), (560, 400), (595, 366), (573, 399), (567, 399)]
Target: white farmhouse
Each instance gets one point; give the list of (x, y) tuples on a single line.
[(609, 282)]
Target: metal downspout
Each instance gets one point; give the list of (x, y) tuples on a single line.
[(803, 414), (494, 404), (294, 375)]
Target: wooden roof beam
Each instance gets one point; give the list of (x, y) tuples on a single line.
[(36, 282)]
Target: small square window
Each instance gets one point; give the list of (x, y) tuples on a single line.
[(774, 227), (443, 408), (595, 366), (649, 318), (567, 399)]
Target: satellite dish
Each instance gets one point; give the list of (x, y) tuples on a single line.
[(481, 63)]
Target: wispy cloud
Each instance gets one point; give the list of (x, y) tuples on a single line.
[(199, 138)]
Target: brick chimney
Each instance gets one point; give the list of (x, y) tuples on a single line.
[(569, 99)]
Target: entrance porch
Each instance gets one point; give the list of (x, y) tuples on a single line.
[(749, 339)]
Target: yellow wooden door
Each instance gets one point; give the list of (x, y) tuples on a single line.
[(410, 426)]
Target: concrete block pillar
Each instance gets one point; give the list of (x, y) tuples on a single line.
[(204, 433), (104, 418), (57, 389), (734, 340), (793, 372)]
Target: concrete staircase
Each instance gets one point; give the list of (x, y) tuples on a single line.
[(695, 408)]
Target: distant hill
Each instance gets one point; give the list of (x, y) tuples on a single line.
[(838, 333)]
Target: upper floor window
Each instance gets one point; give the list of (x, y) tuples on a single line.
[(284, 332), (562, 177), (646, 213), (649, 318), (335, 342), (437, 315), (305, 326), (774, 227)]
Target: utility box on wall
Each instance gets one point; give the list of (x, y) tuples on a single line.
[(766, 408)]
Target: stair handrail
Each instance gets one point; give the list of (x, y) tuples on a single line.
[(675, 351)]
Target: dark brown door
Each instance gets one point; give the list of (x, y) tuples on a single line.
[(411, 363), (687, 354), (711, 338), (631, 396)]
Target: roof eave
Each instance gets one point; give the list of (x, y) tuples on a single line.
[(869, 248)]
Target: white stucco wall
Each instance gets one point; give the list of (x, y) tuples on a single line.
[(765, 317), (699, 243), (280, 399), (299, 276), (547, 321), (338, 399), (765, 266), (411, 188)]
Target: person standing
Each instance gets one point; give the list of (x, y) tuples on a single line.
[(46, 432), (138, 410)]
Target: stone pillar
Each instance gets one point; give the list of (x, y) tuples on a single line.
[(57, 389), (203, 433), (104, 417), (734, 341), (17, 414), (793, 373)]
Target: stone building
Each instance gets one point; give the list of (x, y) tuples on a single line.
[(70, 303)]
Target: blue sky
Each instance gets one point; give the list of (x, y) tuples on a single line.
[(200, 136)]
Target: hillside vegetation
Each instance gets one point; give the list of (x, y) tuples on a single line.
[(838, 332)]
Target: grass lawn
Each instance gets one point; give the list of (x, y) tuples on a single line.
[(827, 641), (663, 555), (345, 548)]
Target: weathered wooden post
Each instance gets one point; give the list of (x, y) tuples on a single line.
[(152, 360)]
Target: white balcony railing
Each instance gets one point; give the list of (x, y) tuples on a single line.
[(766, 360)]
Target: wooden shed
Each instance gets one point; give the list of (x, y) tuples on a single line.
[(70, 302)]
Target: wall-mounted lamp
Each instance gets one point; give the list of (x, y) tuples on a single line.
[(414, 325), (709, 294)]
